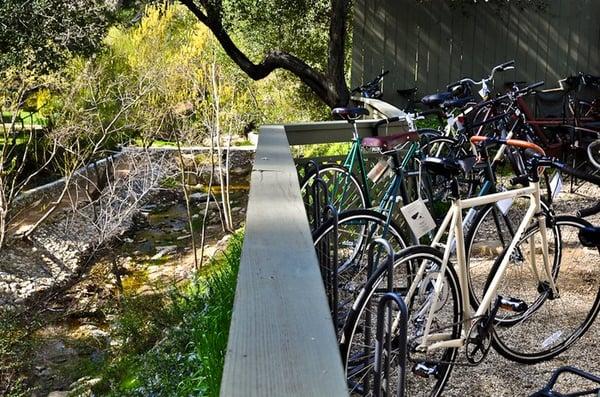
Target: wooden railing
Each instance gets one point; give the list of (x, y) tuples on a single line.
[(281, 340)]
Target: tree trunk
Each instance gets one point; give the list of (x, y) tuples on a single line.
[(330, 87)]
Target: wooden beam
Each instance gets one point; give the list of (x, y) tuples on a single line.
[(281, 340), (337, 131)]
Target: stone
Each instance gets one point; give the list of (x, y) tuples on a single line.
[(55, 351), (198, 196), (238, 171), (89, 331), (162, 251), (146, 246), (58, 393), (83, 386)]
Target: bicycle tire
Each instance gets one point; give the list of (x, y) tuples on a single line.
[(356, 229), (428, 133), (447, 147), (357, 347), (347, 194), (484, 240), (557, 322)]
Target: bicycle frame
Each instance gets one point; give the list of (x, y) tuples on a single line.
[(355, 156), (453, 223)]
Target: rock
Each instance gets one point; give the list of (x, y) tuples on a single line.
[(58, 393), (209, 251), (253, 138), (57, 352), (83, 386), (89, 331), (162, 251), (238, 171), (191, 178), (198, 196), (146, 247)]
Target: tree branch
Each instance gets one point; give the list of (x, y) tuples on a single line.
[(330, 87)]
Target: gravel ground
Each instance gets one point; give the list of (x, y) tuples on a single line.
[(497, 376)]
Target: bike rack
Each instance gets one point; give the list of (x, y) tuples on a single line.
[(329, 269), (548, 392), (384, 336), (318, 192), (384, 340), (321, 211)]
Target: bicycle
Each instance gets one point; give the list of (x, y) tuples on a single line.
[(515, 317), (348, 184)]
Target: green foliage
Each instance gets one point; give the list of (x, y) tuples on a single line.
[(298, 27), (16, 345), (429, 122), (324, 150), (175, 346), (42, 34)]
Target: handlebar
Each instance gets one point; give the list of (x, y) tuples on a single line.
[(531, 87), (505, 66), (576, 173), (510, 142), (371, 84), (387, 120), (498, 68)]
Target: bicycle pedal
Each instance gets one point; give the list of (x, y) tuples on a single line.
[(425, 369), (513, 305)]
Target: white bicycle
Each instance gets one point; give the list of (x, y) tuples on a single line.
[(539, 296)]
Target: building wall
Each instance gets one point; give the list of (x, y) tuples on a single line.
[(433, 43)]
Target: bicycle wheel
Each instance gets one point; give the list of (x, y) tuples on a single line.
[(427, 134), (344, 190), (355, 230), (358, 342), (551, 323), (489, 232), (437, 186), (593, 152)]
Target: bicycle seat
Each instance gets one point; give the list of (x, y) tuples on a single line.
[(436, 99), (457, 102), (590, 236), (388, 142), (449, 167), (407, 91), (350, 113)]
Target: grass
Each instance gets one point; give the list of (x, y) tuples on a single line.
[(15, 346), (28, 118), (174, 345), (21, 139)]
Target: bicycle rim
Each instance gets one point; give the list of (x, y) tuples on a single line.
[(554, 323), (355, 230), (358, 345), (344, 191)]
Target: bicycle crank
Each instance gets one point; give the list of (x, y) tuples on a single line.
[(479, 338)]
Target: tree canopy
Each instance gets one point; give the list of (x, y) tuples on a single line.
[(41, 34)]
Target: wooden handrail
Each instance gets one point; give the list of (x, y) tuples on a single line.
[(281, 340)]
